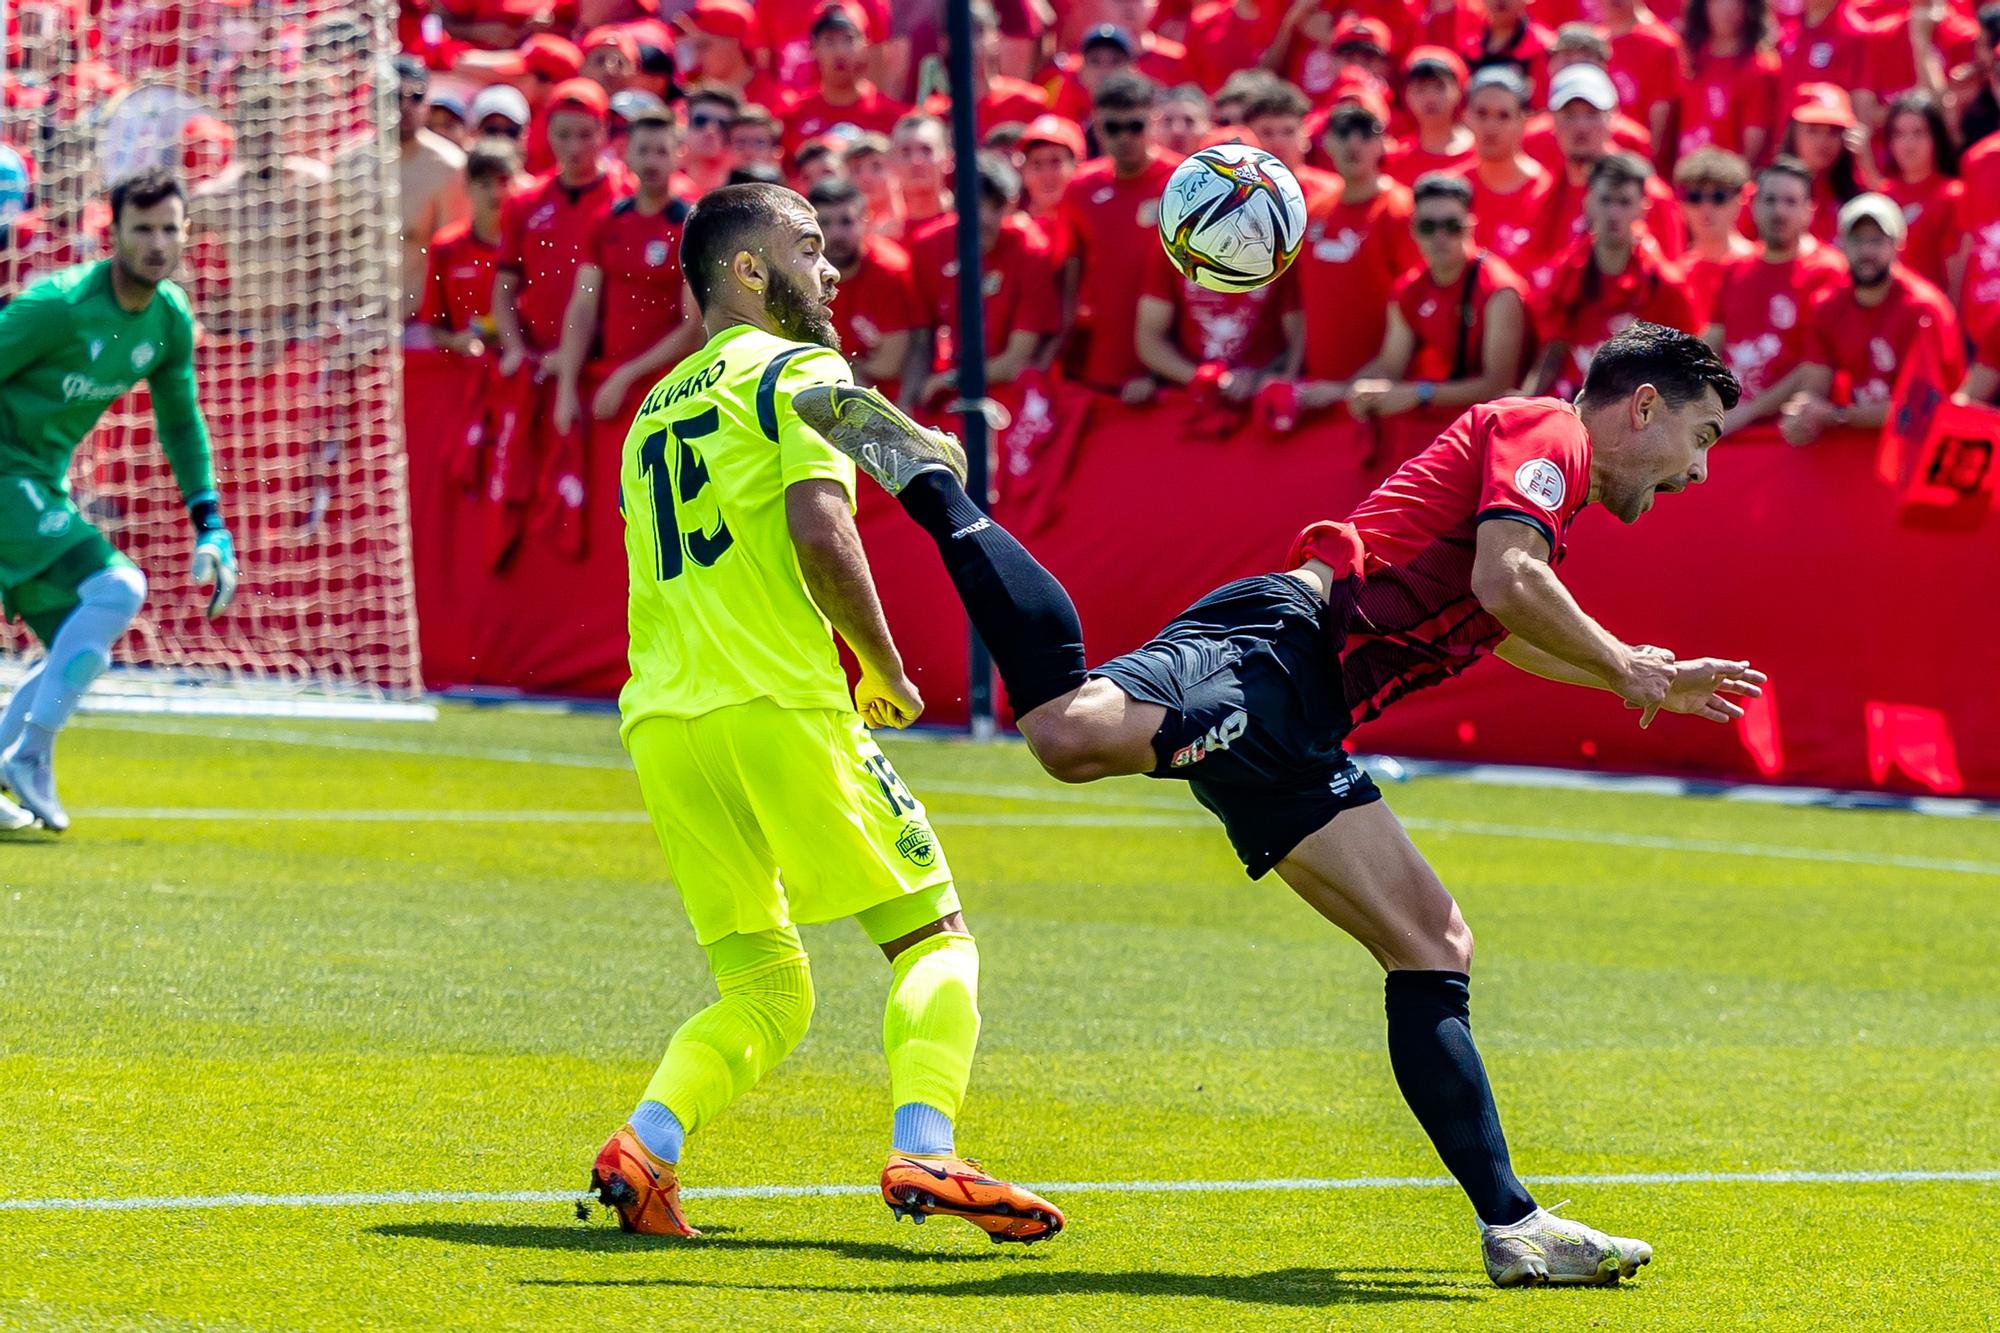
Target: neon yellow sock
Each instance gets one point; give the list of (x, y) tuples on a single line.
[(721, 1052), (930, 1026)]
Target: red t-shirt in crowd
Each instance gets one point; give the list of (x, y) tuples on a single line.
[(1889, 65), (1538, 139), (1008, 101), (1110, 226), (1829, 51), (1930, 209), (812, 115), (1509, 224), (1415, 621), (1979, 219), (1865, 346), (878, 299), (1704, 280), (1436, 314), (1527, 50), (641, 300), (1020, 285), (1241, 330), (545, 230), (1726, 95), (1411, 160), (1220, 42), (458, 287), (1583, 307), (1564, 223), (1352, 258), (787, 32), (1762, 310), (1646, 67)]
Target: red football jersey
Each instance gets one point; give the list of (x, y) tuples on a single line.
[(1865, 346), (544, 232), (1352, 258), (458, 287), (1583, 307), (1415, 621), (1436, 315), (1726, 95), (813, 115), (1242, 330), (879, 298), (1020, 285), (1761, 309), (642, 297), (1110, 226), (1646, 67), (1931, 209)]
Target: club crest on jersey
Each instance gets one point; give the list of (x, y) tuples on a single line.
[(54, 523), (541, 217), (656, 253), (142, 356), (1541, 481), (917, 846), (1219, 738)]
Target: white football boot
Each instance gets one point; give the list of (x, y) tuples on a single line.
[(1542, 1249), (33, 782)]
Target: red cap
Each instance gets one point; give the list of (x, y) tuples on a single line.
[(1823, 104), (1058, 130), (585, 95), (612, 35), (554, 58), (1355, 31), (651, 32), (1438, 55), (725, 18)]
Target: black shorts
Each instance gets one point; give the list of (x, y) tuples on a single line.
[(1250, 678)]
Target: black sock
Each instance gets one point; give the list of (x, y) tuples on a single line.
[(1026, 618), (1438, 1069)]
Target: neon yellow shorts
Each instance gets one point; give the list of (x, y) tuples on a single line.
[(772, 816)]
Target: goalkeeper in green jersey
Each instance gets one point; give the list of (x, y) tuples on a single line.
[(70, 346)]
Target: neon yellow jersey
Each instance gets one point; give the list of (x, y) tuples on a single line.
[(718, 610)]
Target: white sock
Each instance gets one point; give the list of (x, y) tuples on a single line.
[(107, 603), (16, 717)]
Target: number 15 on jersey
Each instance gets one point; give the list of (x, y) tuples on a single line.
[(676, 476)]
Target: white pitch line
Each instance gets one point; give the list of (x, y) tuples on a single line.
[(1037, 819), (394, 1198)]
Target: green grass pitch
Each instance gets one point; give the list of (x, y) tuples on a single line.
[(332, 959)]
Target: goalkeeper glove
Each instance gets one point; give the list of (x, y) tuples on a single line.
[(214, 552)]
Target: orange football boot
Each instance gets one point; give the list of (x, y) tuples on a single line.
[(916, 1185), (643, 1190)]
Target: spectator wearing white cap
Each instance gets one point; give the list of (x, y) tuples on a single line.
[(431, 170), (1859, 332), (1583, 100), (501, 110)]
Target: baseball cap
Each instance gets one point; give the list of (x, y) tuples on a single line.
[(450, 99), (1436, 60), (1879, 209), (632, 103), (1823, 104), (1499, 76), (611, 35), (725, 18), (585, 95), (554, 58), (1058, 130), (498, 100), (1357, 31), (1108, 34), (1582, 83)]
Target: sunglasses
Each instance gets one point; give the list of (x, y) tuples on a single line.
[(1120, 127), (1440, 226), (708, 122), (1715, 196), (506, 128), (1366, 129)]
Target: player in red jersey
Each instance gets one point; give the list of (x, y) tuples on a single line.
[(1106, 229), (879, 306), (1433, 90), (1756, 322), (1357, 246), (1858, 333), (1710, 183), (1510, 190), (458, 288), (1612, 278), (1249, 693), (1458, 323)]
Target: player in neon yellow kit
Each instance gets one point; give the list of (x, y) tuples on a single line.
[(70, 346), (771, 800)]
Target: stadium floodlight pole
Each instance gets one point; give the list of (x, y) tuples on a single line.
[(971, 331)]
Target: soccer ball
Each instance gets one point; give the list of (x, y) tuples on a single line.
[(1232, 218)]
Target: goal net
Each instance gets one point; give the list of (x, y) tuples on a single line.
[(280, 116)]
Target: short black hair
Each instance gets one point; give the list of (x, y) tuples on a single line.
[(725, 221), (1681, 366), (1712, 166), (833, 191), (1619, 170), (654, 118), (1279, 99), (999, 183), (1126, 91), (756, 173), (143, 189), (721, 94), (1786, 165), (1349, 116), (492, 157), (1442, 185)]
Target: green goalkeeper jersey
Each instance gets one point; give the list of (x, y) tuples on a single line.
[(68, 350)]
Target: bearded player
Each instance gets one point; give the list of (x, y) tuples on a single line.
[(771, 801), (70, 346), (1249, 694)]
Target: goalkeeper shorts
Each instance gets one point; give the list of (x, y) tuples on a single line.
[(773, 816), (47, 548)]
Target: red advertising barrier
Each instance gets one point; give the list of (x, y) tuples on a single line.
[(1873, 625)]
